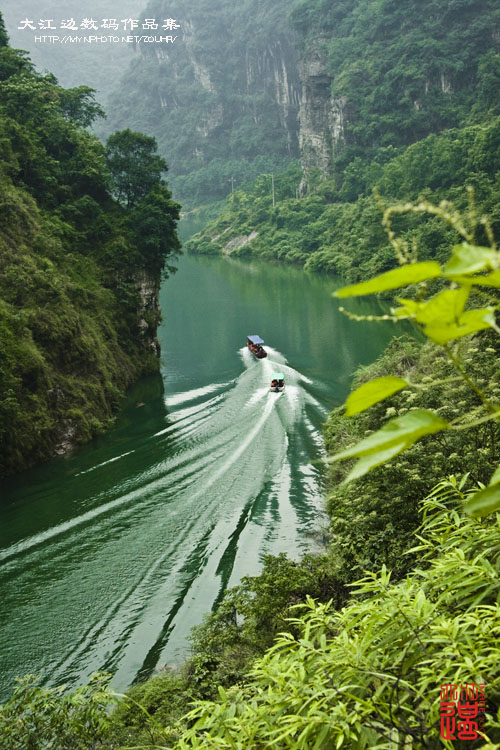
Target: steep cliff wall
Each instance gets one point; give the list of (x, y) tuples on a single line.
[(149, 312), (321, 116), (385, 74), (222, 100)]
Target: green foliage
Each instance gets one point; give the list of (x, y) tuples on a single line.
[(4, 39), (134, 165), (405, 69), (373, 519), (37, 718), (329, 230), (369, 675), (68, 249), (153, 223), (442, 318), (372, 393), (251, 614), (148, 715)]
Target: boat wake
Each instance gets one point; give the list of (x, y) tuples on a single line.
[(232, 477)]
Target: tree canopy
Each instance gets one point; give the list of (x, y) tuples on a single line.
[(134, 164)]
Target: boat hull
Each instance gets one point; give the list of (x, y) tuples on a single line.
[(258, 354)]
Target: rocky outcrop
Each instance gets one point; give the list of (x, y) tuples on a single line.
[(149, 313), (321, 116), (275, 69), (238, 242), (220, 100)]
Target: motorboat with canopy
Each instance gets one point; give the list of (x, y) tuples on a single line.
[(278, 382), (254, 343)]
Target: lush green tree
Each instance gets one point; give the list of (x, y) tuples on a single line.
[(153, 224), (67, 249), (79, 105), (4, 39), (134, 164)]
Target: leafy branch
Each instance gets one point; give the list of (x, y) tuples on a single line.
[(442, 318)]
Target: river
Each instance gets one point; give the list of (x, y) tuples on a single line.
[(109, 556)]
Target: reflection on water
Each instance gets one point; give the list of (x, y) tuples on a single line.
[(111, 555)]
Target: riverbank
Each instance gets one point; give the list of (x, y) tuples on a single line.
[(339, 230)]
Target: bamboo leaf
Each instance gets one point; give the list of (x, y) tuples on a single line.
[(403, 276), (372, 392)]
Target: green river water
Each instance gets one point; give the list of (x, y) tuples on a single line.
[(109, 556)]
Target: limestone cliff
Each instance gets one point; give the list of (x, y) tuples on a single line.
[(222, 99), (321, 116), (149, 312)]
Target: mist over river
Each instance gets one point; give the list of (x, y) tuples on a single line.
[(109, 556)]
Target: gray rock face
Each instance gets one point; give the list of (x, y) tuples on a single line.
[(275, 68), (321, 116), (149, 312)]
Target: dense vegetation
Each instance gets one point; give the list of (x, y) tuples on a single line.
[(339, 230), (71, 256), (420, 86), (405, 69)]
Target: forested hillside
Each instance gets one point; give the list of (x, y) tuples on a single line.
[(222, 100), (80, 263), (397, 99)]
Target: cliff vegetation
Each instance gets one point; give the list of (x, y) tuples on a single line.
[(74, 254)]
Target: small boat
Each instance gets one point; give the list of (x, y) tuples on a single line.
[(278, 382), (254, 343)]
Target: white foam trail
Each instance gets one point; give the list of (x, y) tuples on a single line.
[(143, 580), (104, 463), (220, 433), (237, 453), (257, 396), (181, 398)]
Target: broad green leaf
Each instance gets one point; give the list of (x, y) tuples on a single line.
[(408, 308), (495, 479), (470, 321), (367, 463), (490, 279), (373, 392), (443, 317), (484, 502), (403, 276), (408, 428), (470, 259), (443, 307)]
